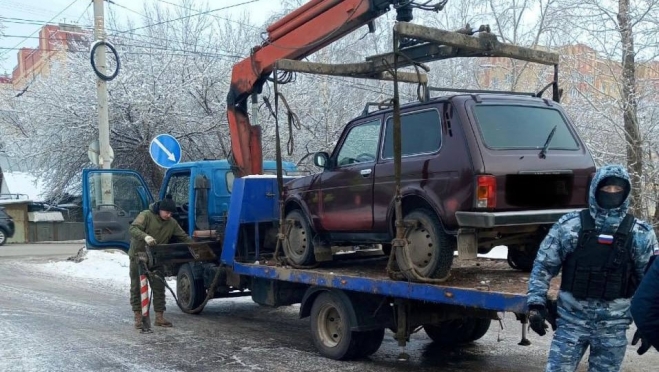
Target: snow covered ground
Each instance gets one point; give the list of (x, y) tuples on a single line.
[(106, 269)]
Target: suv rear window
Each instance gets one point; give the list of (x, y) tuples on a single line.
[(522, 127), (421, 133)]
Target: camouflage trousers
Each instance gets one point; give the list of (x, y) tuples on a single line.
[(155, 284), (607, 347)]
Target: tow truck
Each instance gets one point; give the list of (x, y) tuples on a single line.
[(351, 301)]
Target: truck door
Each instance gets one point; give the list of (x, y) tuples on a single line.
[(111, 199)]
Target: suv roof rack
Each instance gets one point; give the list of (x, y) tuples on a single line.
[(476, 91)]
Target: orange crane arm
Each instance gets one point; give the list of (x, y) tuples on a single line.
[(309, 28)]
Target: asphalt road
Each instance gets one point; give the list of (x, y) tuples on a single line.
[(52, 323)]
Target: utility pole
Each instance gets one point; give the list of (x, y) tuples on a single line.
[(102, 88), (105, 159)]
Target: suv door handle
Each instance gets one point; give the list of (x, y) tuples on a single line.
[(365, 172)]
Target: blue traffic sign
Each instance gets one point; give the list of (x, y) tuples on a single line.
[(165, 150)]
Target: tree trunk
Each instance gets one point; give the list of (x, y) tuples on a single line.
[(629, 106)]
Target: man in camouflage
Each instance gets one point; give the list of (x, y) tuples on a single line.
[(152, 226), (599, 275)]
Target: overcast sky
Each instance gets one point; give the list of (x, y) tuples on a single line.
[(45, 10)]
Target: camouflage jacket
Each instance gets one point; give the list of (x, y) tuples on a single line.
[(562, 240), (148, 222)]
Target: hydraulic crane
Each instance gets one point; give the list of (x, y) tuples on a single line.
[(299, 34)]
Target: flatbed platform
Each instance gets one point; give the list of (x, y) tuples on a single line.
[(483, 283)]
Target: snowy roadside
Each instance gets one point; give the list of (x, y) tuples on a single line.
[(106, 269)]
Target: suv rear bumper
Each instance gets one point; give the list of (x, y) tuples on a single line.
[(515, 218)]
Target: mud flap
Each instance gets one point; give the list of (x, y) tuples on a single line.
[(467, 244)]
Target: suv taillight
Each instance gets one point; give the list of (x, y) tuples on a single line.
[(486, 191)]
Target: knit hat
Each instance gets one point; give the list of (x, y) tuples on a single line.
[(168, 205)]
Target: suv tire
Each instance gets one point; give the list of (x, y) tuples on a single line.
[(298, 246), (431, 248), (3, 237)]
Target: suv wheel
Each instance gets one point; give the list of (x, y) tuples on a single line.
[(430, 248), (298, 247), (3, 237)]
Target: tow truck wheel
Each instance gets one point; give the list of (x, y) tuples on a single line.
[(298, 247), (458, 331), (191, 291), (369, 342), (430, 248), (330, 328), (521, 257)]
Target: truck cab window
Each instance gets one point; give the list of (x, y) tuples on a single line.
[(360, 145), (178, 186)]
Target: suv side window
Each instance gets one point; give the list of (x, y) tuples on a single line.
[(421, 133), (360, 145)]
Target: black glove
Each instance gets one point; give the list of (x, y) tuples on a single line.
[(645, 345), (552, 313), (537, 319)]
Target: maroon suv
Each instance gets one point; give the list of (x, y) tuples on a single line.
[(478, 170)]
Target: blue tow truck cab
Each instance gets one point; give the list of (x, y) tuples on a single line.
[(351, 301), (206, 185)]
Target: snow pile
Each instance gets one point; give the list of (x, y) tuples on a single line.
[(498, 252), (110, 267)]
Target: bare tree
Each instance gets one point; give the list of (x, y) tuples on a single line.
[(173, 80), (624, 31)]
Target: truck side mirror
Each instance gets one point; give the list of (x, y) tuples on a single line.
[(321, 159)]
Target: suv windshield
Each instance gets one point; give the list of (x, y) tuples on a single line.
[(522, 127)]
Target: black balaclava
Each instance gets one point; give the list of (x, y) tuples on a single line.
[(611, 200)]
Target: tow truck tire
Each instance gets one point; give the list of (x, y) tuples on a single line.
[(481, 328), (431, 248), (369, 342), (299, 245), (190, 290), (521, 260), (458, 331), (330, 328)]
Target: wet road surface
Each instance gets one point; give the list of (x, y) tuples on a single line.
[(53, 323)]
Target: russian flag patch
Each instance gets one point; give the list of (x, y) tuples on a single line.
[(605, 239)]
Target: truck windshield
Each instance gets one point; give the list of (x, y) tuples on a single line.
[(522, 127)]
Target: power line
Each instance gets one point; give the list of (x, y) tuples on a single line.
[(190, 16), (212, 15), (35, 31), (219, 53), (84, 12), (133, 52)]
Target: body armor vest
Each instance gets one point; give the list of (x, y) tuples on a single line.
[(601, 267)]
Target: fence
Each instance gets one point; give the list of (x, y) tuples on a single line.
[(56, 231)]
